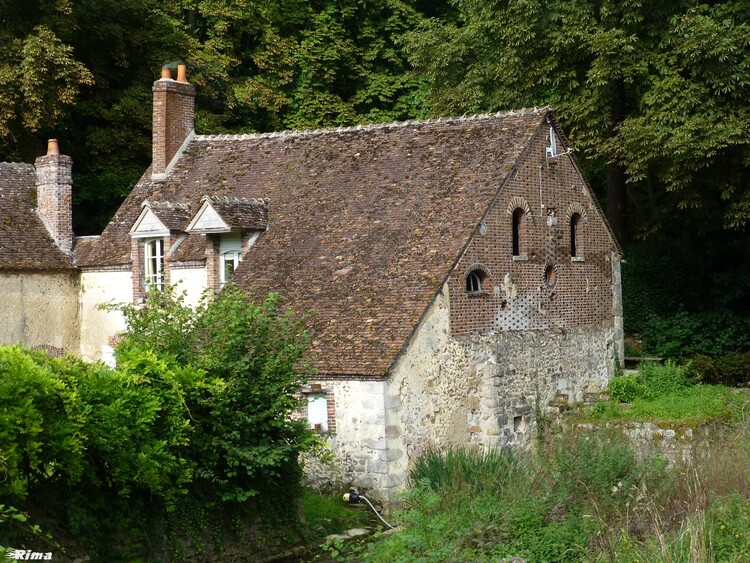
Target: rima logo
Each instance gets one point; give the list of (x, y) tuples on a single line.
[(28, 555)]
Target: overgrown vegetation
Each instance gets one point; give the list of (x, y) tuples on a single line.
[(689, 297), (584, 494), (190, 437), (671, 392), (584, 497)]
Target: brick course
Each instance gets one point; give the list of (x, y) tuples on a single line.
[(55, 197)]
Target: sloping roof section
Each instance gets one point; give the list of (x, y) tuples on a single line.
[(25, 243), (230, 214), (364, 223)]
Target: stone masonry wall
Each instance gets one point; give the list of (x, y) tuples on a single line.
[(481, 390)]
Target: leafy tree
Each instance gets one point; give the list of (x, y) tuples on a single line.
[(192, 433), (654, 94), (245, 440)]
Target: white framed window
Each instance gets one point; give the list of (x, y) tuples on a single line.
[(229, 255), (154, 263), (317, 412)]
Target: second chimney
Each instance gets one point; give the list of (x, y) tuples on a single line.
[(54, 195), (173, 118)]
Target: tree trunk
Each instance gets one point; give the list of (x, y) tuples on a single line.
[(617, 200), (616, 189)]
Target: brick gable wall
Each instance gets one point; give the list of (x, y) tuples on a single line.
[(516, 295)]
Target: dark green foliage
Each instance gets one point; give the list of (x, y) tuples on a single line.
[(195, 421), (688, 297), (731, 369), (684, 334)]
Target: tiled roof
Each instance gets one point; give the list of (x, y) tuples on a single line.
[(364, 223), (25, 243)]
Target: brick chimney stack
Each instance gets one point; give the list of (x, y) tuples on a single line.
[(54, 195), (173, 120)]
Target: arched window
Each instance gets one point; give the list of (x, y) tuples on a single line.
[(518, 226), (575, 222), (474, 280)]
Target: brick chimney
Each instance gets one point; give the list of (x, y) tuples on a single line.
[(174, 118), (54, 195)]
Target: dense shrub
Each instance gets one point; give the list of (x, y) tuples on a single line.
[(195, 421), (652, 381), (683, 334), (626, 388)]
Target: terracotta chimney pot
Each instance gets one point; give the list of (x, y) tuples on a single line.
[(166, 73), (181, 73), (53, 147)]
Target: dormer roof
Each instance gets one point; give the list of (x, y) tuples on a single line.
[(230, 215), (159, 219)]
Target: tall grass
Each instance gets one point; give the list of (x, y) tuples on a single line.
[(583, 497)]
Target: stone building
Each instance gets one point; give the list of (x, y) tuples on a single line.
[(457, 271)]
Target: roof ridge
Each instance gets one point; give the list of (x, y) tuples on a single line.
[(165, 205), (17, 165), (289, 133), (243, 200)]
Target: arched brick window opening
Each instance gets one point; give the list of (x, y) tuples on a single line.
[(518, 231), (474, 280), (575, 234)]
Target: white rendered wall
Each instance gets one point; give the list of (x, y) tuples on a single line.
[(40, 309), (96, 325), (191, 281)]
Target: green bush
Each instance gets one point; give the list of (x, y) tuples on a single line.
[(731, 369), (652, 381), (626, 388), (195, 421), (661, 379), (683, 333)]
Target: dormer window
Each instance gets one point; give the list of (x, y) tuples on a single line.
[(154, 263), (231, 226), (156, 233)]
